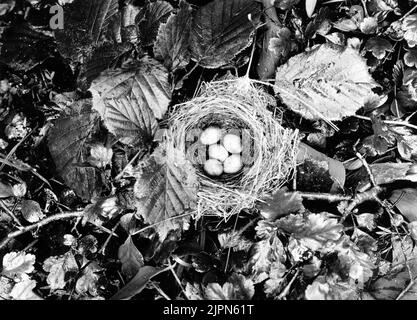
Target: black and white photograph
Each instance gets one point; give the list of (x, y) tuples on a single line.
[(208, 157)]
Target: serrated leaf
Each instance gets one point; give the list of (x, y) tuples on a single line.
[(236, 288), (130, 99), (221, 30), (130, 257), (149, 19), (329, 82), (172, 42), (66, 144), (166, 187), (313, 231), (281, 203), (263, 256), (86, 22)]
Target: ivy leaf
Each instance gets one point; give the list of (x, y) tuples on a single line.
[(149, 19), (172, 46), (18, 265), (131, 98), (221, 30), (166, 188), (130, 257), (66, 142), (236, 288), (329, 82)]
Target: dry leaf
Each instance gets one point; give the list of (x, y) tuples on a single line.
[(57, 267), (329, 82), (131, 258)]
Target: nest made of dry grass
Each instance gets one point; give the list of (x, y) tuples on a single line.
[(242, 104)]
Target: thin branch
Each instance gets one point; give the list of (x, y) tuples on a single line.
[(324, 196), (286, 290), (10, 213), (44, 222)]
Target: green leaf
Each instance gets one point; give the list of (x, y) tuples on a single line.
[(221, 30), (130, 99), (137, 284), (165, 189), (66, 144), (329, 82), (172, 43), (130, 257)]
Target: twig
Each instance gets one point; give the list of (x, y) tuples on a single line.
[(177, 279), (325, 196), (162, 221), (286, 290), (161, 292), (10, 213), (398, 123), (60, 216), (402, 293), (365, 164), (103, 248), (408, 13), (130, 162)]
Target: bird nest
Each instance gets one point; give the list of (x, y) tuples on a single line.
[(241, 106)]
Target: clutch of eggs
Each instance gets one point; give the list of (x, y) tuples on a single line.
[(224, 157)]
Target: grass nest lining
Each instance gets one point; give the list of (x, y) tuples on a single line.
[(236, 103)]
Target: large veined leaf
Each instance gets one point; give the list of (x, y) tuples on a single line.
[(86, 22), (165, 189), (66, 144), (149, 19), (172, 44), (329, 82), (221, 30), (131, 98)]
